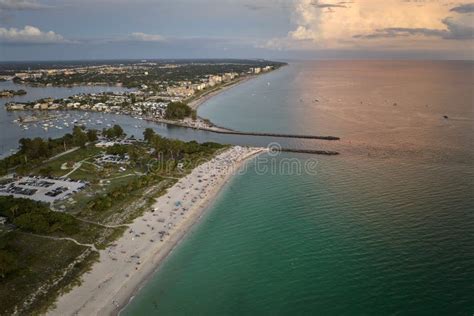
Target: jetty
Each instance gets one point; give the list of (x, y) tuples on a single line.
[(232, 132), (310, 151)]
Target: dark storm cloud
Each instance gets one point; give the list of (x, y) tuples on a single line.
[(464, 8), (329, 5), (454, 31), (400, 32), (458, 31)]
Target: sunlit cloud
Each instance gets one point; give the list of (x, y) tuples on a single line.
[(394, 24)]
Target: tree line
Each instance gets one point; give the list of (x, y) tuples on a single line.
[(33, 151)]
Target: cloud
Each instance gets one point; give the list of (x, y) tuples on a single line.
[(143, 37), (401, 32), (375, 24), (12, 5), (464, 8), (458, 31), (453, 31), (329, 5), (29, 35)]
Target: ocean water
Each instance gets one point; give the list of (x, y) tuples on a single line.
[(357, 238), (387, 227)]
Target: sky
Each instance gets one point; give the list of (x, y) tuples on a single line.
[(272, 29)]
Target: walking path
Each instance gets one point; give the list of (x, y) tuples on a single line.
[(92, 246)]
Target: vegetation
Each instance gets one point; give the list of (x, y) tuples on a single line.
[(133, 73), (30, 245), (79, 137), (117, 149), (30, 262), (33, 151), (178, 111), (92, 135), (36, 217), (115, 131)]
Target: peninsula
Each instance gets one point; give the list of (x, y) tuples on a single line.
[(154, 85), (98, 200), (109, 207)]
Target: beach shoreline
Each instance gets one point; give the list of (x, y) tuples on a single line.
[(126, 266), (195, 104)]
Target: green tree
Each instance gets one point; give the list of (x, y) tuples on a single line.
[(79, 137), (115, 131), (148, 134), (34, 222), (177, 110), (92, 135), (117, 149)]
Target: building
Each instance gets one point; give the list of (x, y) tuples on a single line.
[(180, 91), (229, 76), (22, 75), (213, 80), (200, 86), (15, 106)]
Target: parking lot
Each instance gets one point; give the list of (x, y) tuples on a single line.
[(115, 159), (42, 189)]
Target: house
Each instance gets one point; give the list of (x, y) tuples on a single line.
[(14, 106)]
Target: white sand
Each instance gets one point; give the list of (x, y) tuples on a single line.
[(124, 267)]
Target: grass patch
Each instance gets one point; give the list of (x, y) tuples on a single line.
[(33, 271)]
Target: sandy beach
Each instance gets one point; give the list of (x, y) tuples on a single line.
[(196, 103), (124, 267)]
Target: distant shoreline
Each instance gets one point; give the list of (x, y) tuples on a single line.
[(195, 104)]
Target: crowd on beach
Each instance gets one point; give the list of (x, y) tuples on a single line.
[(126, 263)]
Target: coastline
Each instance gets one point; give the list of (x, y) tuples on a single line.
[(195, 104), (127, 265)]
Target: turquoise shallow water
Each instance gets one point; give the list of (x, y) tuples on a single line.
[(385, 228), (332, 243)]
